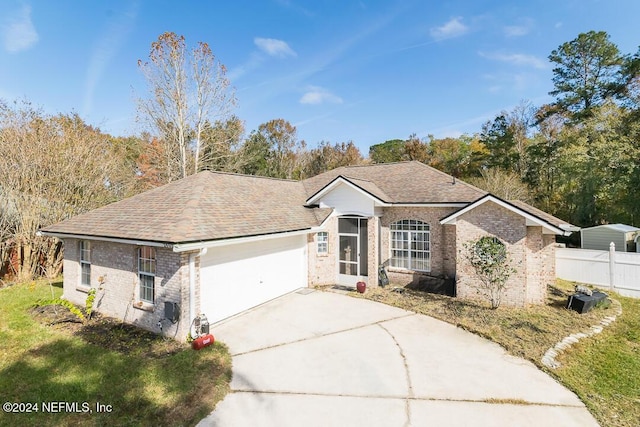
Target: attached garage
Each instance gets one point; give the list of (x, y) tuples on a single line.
[(236, 277)]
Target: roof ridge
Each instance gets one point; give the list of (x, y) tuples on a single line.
[(247, 175), (378, 164), (451, 176), (356, 179)]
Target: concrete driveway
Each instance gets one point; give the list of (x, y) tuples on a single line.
[(325, 359)]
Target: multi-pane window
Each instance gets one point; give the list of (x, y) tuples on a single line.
[(85, 263), (147, 272), (410, 245), (323, 242)]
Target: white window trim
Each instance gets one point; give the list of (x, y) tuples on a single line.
[(141, 272), (322, 243), (409, 250), (83, 262)]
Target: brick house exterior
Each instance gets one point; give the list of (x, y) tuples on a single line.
[(221, 243), (115, 273)]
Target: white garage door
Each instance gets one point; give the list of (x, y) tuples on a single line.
[(236, 277)]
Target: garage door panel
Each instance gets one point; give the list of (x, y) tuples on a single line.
[(237, 277)]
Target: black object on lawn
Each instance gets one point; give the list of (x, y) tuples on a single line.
[(583, 303)]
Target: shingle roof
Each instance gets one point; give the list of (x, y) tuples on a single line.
[(214, 205), (205, 206), (405, 182), (557, 222), (539, 217), (622, 228)]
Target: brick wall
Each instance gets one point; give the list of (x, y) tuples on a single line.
[(323, 268), (442, 252), (116, 265), (530, 251), (372, 236), (540, 264)]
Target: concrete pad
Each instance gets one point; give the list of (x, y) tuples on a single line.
[(361, 362), (446, 362), (478, 414), (330, 359), (295, 317), (294, 410)]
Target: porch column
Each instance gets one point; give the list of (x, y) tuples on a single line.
[(373, 224)]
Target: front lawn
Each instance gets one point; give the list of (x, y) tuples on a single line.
[(138, 378), (605, 369), (602, 370)]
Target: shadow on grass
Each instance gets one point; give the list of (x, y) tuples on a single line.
[(143, 383), (64, 371)]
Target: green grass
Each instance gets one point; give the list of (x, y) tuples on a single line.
[(604, 370), (151, 382)]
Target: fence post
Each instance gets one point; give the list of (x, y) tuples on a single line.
[(612, 265)]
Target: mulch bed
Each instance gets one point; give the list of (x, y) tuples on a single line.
[(108, 333)]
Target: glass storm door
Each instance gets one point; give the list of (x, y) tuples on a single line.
[(353, 249)]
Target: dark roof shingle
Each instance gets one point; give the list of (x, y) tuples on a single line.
[(204, 206), (404, 182)]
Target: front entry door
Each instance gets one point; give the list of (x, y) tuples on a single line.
[(353, 250)]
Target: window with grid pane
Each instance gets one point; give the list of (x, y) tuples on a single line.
[(147, 272), (85, 263), (410, 245), (323, 242)]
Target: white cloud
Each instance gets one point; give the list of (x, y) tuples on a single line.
[(317, 95), (519, 30), (453, 28), (18, 31), (511, 82), (107, 47), (519, 59), (274, 47), (516, 30)]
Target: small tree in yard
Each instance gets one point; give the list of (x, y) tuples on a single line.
[(488, 257)]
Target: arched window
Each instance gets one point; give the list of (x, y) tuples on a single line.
[(410, 245)]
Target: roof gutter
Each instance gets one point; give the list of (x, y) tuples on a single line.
[(105, 239), (569, 229)]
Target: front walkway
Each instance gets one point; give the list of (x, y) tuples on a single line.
[(324, 359)]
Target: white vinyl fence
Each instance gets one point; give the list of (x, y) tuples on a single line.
[(618, 271)]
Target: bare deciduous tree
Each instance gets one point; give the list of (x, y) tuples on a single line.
[(52, 167), (187, 90), (504, 184)]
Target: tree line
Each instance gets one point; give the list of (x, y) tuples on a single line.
[(577, 157)]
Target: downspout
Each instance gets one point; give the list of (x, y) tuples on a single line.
[(192, 284)]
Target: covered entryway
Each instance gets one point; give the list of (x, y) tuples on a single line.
[(236, 277), (352, 250)]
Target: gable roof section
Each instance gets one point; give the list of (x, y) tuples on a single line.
[(205, 206), (363, 186), (399, 183), (534, 215)]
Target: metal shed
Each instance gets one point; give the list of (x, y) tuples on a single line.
[(601, 236)]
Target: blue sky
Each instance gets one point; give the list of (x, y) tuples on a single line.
[(366, 71)]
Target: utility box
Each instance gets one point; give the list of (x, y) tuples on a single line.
[(172, 311), (583, 303)]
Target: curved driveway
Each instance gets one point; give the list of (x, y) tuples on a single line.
[(325, 359)]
